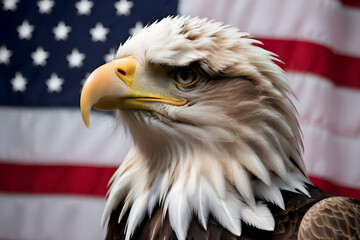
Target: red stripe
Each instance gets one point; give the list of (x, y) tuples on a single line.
[(335, 189), (316, 59), (50, 179), (85, 180), (351, 3)]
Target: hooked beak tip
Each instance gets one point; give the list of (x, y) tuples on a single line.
[(86, 116)]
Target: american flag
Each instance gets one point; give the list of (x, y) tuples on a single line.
[(54, 172), (48, 47)]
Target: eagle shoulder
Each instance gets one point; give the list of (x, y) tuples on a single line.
[(332, 218)]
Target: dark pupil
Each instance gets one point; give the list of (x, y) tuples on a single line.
[(185, 74)]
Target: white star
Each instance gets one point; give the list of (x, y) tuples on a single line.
[(98, 33), (39, 56), (9, 5), (61, 31), (54, 83), (25, 30), (75, 59), (19, 83), (84, 7), (45, 6), (110, 56), (5, 55), (138, 27), (123, 7)]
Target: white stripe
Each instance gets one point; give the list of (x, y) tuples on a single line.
[(332, 157), (329, 118), (322, 104), (58, 136), (320, 21), (44, 217)]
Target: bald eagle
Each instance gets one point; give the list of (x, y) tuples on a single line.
[(217, 150)]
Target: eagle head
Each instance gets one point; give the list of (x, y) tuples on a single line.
[(214, 129)]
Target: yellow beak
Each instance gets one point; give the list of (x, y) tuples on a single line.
[(116, 85)]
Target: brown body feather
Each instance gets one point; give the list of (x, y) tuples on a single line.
[(332, 218), (320, 216)]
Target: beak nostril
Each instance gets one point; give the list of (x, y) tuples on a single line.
[(122, 72)]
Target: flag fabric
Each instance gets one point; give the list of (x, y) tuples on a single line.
[(54, 171)]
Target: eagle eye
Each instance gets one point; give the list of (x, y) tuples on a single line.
[(185, 77)]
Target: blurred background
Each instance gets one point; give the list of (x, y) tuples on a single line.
[(54, 171)]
